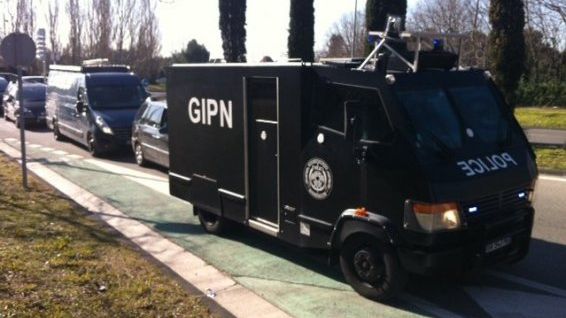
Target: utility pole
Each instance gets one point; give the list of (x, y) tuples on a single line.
[(355, 28)]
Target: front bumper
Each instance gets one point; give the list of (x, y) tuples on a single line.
[(467, 249), (120, 139)]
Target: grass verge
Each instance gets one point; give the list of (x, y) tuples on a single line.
[(538, 117), (551, 159), (58, 261)]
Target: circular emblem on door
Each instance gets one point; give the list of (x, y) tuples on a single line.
[(318, 178)]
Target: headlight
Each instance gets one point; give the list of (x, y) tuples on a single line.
[(433, 217), (103, 125)]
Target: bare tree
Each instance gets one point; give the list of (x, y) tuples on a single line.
[(75, 15), (53, 22), (123, 12), (20, 16), (341, 37), (456, 16), (99, 29)]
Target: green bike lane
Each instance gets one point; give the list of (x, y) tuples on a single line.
[(292, 279)]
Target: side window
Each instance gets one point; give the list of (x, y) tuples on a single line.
[(362, 105), (152, 117), (332, 110), (371, 122)]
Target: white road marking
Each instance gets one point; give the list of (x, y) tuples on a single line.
[(76, 157), (60, 152), (47, 149), (529, 283), (551, 178), (10, 139), (34, 146), (155, 183)]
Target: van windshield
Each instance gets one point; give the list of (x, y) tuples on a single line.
[(115, 96), (445, 120)]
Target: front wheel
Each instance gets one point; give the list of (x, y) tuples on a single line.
[(138, 152), (210, 222), (57, 133), (372, 268), (92, 145)]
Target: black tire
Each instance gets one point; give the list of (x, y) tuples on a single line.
[(139, 156), (56, 132), (92, 146), (372, 268), (210, 222)]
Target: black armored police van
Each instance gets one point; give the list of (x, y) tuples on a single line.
[(404, 162)]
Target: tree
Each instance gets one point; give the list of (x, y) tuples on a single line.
[(341, 39), (123, 12), (193, 53), (377, 12), (507, 45), (301, 30), (53, 22), (233, 29), (75, 14), (468, 18), (99, 29)]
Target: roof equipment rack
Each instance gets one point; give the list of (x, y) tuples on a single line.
[(394, 42)]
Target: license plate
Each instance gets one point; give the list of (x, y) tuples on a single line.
[(499, 244)]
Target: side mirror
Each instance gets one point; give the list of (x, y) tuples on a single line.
[(80, 107)]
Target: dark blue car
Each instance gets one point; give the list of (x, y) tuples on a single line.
[(34, 104), (93, 107)]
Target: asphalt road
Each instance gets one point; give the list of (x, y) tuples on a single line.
[(535, 287)]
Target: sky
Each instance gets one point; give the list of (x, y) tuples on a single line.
[(267, 24)]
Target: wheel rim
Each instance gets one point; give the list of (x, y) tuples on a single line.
[(209, 218), (91, 146), (368, 265), (139, 154)]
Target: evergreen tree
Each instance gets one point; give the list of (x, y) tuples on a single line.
[(192, 53), (301, 30), (377, 12), (507, 45), (233, 29)]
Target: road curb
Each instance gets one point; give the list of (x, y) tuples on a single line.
[(227, 293)]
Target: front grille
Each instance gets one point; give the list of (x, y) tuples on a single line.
[(504, 201), (123, 134)]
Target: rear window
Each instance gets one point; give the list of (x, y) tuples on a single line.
[(34, 93)]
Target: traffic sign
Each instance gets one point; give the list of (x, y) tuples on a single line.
[(18, 49)]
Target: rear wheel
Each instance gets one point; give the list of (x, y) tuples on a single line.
[(210, 222), (140, 158), (372, 268)]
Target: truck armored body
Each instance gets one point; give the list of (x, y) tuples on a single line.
[(420, 168)]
